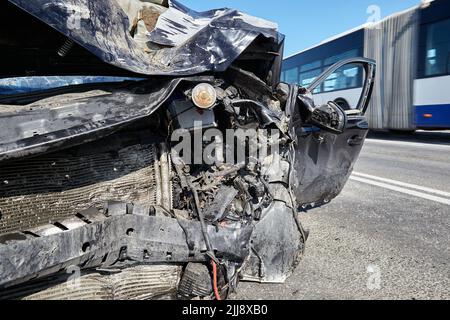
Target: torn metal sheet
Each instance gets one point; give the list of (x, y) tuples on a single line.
[(189, 42), (47, 125), (140, 239)]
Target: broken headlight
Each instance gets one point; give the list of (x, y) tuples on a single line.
[(204, 96)]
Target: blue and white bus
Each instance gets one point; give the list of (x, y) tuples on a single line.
[(412, 50)]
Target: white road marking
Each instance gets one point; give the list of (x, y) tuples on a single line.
[(402, 190), (403, 184), (409, 144)]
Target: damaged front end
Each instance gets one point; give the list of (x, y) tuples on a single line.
[(183, 178)]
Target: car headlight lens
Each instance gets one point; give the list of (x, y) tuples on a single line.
[(204, 96)]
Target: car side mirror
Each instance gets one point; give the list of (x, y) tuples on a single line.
[(330, 117)]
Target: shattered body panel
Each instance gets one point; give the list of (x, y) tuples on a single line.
[(47, 125), (95, 175), (191, 42)]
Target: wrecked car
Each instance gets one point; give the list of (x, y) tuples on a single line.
[(148, 150)]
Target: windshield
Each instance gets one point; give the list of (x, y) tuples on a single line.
[(19, 85)]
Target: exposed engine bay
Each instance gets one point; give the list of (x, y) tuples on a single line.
[(132, 178), (180, 184)]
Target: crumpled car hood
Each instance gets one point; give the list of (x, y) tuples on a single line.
[(189, 42)]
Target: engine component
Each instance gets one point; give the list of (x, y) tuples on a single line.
[(187, 116), (65, 48), (222, 200)]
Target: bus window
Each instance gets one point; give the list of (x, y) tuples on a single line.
[(347, 77), (306, 78), (291, 76), (342, 56), (311, 66), (438, 49)]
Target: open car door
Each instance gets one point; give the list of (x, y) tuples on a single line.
[(331, 138)]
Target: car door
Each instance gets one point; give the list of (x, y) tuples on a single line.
[(325, 158)]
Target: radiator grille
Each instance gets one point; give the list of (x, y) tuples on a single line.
[(44, 189), (146, 282)]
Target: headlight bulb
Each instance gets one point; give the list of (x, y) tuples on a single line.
[(204, 96)]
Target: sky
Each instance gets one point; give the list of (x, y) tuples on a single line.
[(308, 22)]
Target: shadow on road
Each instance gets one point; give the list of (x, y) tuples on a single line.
[(431, 137)]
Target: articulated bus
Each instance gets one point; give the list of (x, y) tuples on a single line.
[(412, 51)]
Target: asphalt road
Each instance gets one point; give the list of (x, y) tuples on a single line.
[(387, 236)]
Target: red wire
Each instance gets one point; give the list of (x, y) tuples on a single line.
[(216, 289)]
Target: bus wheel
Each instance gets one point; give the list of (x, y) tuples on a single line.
[(341, 102)]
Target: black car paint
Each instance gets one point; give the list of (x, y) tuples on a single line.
[(205, 41), (325, 161)]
